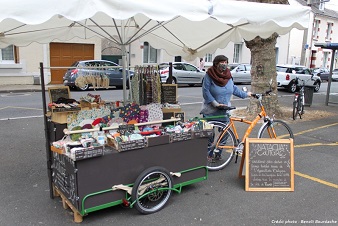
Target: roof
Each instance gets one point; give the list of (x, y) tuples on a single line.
[(314, 7)]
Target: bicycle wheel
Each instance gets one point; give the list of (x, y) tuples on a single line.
[(220, 156), (152, 190), (295, 110), (275, 129), (300, 106)]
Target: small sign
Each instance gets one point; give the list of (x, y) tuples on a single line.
[(56, 92), (169, 93), (269, 164)]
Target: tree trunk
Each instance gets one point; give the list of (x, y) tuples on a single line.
[(263, 70)]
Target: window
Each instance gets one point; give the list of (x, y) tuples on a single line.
[(237, 51), (326, 57), (329, 31), (7, 54), (315, 29), (208, 57), (149, 54)]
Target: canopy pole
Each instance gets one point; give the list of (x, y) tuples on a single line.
[(124, 62), (48, 151), (330, 79)]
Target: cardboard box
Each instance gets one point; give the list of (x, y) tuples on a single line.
[(85, 153), (175, 137), (202, 133), (171, 110)]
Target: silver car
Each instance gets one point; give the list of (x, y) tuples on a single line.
[(240, 73), (183, 73)]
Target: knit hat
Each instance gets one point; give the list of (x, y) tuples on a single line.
[(218, 59)]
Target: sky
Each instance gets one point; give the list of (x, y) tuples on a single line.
[(332, 4)]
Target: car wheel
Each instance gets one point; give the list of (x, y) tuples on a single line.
[(83, 88), (317, 86), (292, 87)]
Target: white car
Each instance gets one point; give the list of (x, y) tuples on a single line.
[(183, 73), (286, 75)]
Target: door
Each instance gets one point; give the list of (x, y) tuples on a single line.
[(64, 55)]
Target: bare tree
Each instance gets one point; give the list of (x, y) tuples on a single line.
[(263, 59)]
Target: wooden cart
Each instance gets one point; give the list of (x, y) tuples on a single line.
[(141, 178)]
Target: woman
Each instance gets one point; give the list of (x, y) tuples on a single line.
[(218, 88)]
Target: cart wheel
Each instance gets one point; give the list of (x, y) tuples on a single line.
[(152, 190)]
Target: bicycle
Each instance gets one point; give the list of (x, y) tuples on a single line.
[(299, 100), (225, 142)]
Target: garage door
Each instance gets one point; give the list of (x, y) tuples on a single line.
[(65, 54)]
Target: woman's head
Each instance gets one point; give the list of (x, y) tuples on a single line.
[(220, 62)]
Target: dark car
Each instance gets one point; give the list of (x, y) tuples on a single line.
[(77, 76), (325, 75)]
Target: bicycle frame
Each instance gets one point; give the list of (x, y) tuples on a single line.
[(231, 125)]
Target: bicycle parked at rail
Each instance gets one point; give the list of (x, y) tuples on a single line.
[(299, 99), (225, 142)]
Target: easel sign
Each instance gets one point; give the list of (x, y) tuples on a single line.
[(269, 164)]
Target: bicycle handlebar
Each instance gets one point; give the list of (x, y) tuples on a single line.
[(258, 95), (227, 108)]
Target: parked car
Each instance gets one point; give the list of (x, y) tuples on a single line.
[(286, 75), (100, 68), (183, 73), (317, 71), (325, 75), (240, 73)]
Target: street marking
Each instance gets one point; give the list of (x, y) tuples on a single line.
[(316, 179), (5, 119), (315, 144), (39, 109), (316, 128)]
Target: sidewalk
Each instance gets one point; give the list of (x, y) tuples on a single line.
[(23, 88)]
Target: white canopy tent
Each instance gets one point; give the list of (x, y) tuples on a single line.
[(189, 28)]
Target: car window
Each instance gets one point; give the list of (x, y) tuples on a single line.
[(109, 64), (281, 69), (248, 67), (231, 67), (241, 68), (189, 67), (178, 67)]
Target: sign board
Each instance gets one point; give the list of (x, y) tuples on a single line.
[(56, 92), (169, 93), (269, 164)]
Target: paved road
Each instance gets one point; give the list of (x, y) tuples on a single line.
[(221, 200)]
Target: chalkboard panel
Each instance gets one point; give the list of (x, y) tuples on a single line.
[(269, 165), (169, 93), (56, 92)]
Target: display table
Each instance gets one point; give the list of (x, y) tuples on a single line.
[(86, 185)]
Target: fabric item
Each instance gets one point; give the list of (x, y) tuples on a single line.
[(77, 118), (221, 94), (129, 112), (155, 112), (219, 78)]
